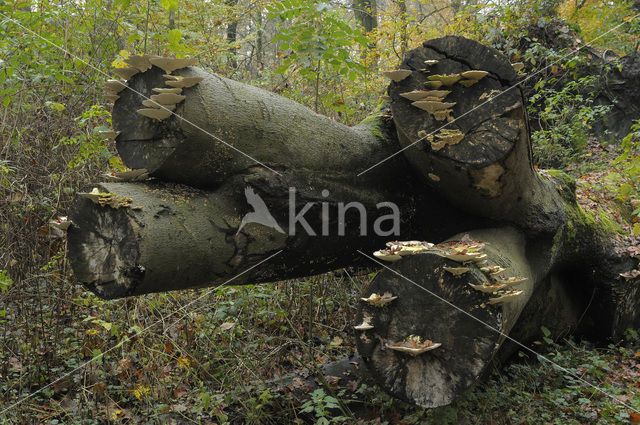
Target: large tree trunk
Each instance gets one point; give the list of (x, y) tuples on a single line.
[(171, 236)]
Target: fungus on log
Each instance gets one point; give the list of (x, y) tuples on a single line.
[(475, 176)]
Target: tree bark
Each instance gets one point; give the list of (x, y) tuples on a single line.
[(172, 236)]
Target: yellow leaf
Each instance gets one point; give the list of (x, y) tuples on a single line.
[(119, 63), (184, 362), (141, 392)]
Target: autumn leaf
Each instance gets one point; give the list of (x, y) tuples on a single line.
[(227, 325)]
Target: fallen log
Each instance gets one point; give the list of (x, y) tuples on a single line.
[(571, 272), (465, 169)]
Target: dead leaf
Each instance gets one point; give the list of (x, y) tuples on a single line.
[(227, 325)]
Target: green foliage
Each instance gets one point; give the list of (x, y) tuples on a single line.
[(628, 175), (565, 117), (5, 281), (320, 405), (313, 32), (312, 35)]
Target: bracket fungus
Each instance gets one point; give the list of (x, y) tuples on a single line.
[(467, 83), (404, 248), (125, 73), (156, 114), (183, 82), (461, 251), (492, 270), (505, 296), (377, 300), (132, 175), (431, 106), (61, 223), (511, 281), (168, 98), (488, 288), (387, 255), (433, 84), (152, 104), (518, 66), (415, 94), (444, 114), (439, 93), (365, 325), (456, 271), (413, 345), (115, 86), (430, 62), (447, 80), (169, 65), (175, 90), (397, 75), (106, 198), (111, 97), (474, 75), (141, 63), (93, 196), (464, 257), (110, 134), (446, 137), (434, 177)]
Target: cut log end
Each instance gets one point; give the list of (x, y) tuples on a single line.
[(436, 377), (103, 249)]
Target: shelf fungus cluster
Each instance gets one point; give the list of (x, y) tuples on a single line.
[(498, 285), (413, 345), (432, 101), (365, 325), (505, 296), (518, 66), (461, 251), (444, 138), (160, 105), (472, 77), (456, 271), (57, 228), (398, 249), (128, 175), (106, 198), (377, 300), (491, 287), (112, 88), (397, 74)]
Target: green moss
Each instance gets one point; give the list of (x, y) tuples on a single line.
[(374, 122), (567, 184), (608, 223)]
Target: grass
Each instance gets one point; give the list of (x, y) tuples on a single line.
[(209, 363)]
